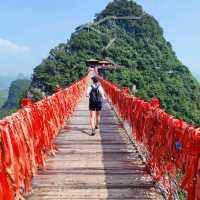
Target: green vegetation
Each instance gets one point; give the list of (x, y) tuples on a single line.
[(150, 62), (3, 95), (6, 112), (17, 91)]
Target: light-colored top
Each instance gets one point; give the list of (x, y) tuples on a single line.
[(95, 86)]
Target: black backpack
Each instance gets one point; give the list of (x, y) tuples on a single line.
[(95, 95)]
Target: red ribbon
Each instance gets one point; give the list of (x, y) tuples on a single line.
[(26, 138), (173, 146)]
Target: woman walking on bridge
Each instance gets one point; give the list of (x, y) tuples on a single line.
[(96, 95)]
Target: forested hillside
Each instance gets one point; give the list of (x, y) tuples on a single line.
[(18, 89), (139, 45), (3, 96)]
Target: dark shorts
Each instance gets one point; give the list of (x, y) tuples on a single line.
[(95, 106)]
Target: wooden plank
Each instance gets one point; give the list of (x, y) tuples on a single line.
[(104, 166), (61, 193)]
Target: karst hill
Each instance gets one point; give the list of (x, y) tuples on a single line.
[(124, 33)]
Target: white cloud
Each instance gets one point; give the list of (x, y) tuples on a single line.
[(7, 44)]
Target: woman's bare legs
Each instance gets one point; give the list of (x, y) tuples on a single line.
[(97, 118), (92, 120)]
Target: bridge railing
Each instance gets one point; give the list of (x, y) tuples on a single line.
[(172, 147), (27, 138)]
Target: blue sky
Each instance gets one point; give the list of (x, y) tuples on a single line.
[(29, 29)]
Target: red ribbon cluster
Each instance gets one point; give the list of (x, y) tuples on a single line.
[(26, 138), (172, 146)]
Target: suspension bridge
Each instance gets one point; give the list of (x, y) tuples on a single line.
[(139, 151)]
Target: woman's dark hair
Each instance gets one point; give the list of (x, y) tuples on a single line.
[(95, 79)]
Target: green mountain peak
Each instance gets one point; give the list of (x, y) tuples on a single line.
[(126, 34)]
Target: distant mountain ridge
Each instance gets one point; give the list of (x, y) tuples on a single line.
[(5, 81), (12, 89), (3, 96), (17, 90)]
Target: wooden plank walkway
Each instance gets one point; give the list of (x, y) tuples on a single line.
[(104, 166)]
